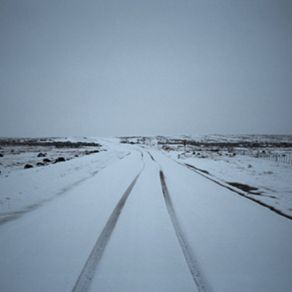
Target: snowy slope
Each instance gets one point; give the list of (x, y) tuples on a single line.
[(27, 189), (271, 179)]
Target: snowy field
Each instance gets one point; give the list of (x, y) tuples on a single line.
[(262, 173), (205, 213)]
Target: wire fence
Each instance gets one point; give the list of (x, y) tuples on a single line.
[(278, 157)]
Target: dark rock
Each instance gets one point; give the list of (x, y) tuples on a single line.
[(42, 154), (60, 159), (40, 164), (47, 160), (214, 150), (88, 152), (1, 155), (28, 166), (243, 187)]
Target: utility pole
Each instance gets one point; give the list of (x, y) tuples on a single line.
[(185, 144)]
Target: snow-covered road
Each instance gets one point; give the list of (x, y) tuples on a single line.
[(146, 223)]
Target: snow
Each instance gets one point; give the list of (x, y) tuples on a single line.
[(240, 246), (144, 253), (59, 212), (272, 179), (46, 249), (26, 188)]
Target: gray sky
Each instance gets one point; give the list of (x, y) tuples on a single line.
[(145, 67)]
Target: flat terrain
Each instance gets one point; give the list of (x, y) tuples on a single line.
[(136, 216)]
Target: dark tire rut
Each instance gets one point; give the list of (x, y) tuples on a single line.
[(84, 280), (192, 263)]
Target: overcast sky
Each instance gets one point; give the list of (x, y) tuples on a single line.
[(125, 67)]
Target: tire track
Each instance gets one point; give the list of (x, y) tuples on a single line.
[(189, 257), (235, 190), (208, 176), (14, 215), (84, 280), (7, 217), (151, 156)]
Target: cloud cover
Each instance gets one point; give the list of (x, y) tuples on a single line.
[(145, 67)]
